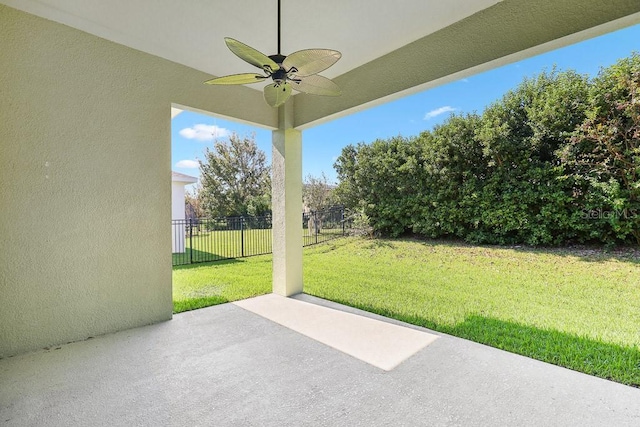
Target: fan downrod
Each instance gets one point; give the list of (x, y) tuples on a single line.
[(298, 70)]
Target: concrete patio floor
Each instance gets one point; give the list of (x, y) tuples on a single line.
[(228, 366)]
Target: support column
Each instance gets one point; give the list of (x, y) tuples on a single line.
[(286, 204)]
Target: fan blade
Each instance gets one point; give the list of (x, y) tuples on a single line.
[(252, 56), (277, 94), (237, 79), (311, 61), (316, 85)]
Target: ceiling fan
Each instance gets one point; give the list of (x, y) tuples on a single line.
[(298, 71)]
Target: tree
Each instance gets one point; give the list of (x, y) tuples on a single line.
[(453, 170), (605, 151), (383, 181), (235, 178), (317, 192), (490, 178), (349, 192), (192, 206), (555, 161), (525, 197)]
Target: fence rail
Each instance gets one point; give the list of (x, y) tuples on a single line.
[(212, 239)]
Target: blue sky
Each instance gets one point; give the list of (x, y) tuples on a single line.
[(192, 132)]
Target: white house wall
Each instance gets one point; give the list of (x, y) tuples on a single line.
[(177, 212)]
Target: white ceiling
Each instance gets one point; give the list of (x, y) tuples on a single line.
[(389, 48), (190, 32)]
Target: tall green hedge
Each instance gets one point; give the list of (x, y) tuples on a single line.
[(555, 161)]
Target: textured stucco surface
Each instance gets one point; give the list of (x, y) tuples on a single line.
[(85, 171), (286, 206)]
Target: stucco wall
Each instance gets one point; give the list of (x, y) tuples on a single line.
[(85, 189)]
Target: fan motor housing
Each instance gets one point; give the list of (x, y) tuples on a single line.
[(279, 75), (278, 59)]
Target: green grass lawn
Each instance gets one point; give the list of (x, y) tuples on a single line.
[(202, 285), (222, 244), (577, 309)]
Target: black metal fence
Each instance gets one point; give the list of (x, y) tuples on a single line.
[(212, 239)]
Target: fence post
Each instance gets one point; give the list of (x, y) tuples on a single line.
[(315, 224), (190, 242), (342, 219), (242, 236)]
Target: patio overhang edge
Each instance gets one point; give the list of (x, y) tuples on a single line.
[(504, 33)]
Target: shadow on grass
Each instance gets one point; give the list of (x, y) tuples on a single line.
[(605, 360), (628, 254), (221, 261), (196, 303), (381, 243), (195, 256)]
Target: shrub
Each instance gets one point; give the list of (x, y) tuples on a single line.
[(555, 161)]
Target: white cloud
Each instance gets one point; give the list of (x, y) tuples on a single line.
[(434, 113), (464, 80), (202, 132), (188, 164)]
